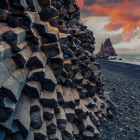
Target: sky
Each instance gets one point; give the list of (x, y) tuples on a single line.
[(118, 20)]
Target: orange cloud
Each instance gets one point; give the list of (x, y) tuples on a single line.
[(124, 14), (113, 26), (80, 3), (138, 36)]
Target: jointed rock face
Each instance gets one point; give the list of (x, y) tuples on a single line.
[(107, 49), (51, 88)]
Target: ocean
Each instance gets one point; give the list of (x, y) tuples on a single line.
[(128, 58)]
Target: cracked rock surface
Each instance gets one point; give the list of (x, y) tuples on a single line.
[(51, 88)]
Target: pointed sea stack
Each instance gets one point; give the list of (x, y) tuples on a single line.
[(106, 50)]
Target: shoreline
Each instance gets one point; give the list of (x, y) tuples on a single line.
[(128, 62), (123, 84), (119, 62)]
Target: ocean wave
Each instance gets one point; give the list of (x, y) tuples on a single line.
[(132, 59)]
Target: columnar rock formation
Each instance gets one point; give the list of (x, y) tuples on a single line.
[(107, 49), (51, 88)]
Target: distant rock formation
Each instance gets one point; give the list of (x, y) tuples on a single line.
[(106, 50)]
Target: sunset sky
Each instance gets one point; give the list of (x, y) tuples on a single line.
[(118, 20)]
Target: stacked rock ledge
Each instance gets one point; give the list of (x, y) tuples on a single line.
[(51, 88)]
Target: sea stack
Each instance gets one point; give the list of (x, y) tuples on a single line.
[(106, 50), (51, 88)]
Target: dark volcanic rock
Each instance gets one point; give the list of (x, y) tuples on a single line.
[(51, 87), (106, 49)]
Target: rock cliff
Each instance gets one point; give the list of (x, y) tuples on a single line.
[(51, 88)]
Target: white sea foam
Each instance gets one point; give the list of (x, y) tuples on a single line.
[(128, 58)]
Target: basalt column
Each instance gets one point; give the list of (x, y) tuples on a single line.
[(51, 88)]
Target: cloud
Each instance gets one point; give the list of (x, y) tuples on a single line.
[(80, 3), (84, 13), (123, 51), (123, 14), (115, 38), (95, 24), (100, 38), (138, 36), (113, 26), (117, 41), (134, 50)]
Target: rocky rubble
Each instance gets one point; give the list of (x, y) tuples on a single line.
[(106, 50), (51, 88)]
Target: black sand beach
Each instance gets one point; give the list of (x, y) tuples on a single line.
[(122, 80)]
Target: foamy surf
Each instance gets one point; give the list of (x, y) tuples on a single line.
[(127, 58)]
